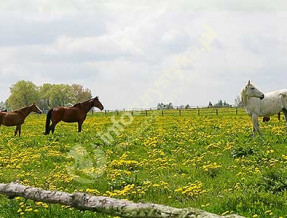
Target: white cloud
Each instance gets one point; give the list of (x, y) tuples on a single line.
[(119, 48)]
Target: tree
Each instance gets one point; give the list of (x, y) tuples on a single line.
[(61, 95), (170, 106), (161, 106), (45, 92), (81, 94), (238, 102), (2, 105), (222, 103), (46, 96), (23, 93), (210, 104)]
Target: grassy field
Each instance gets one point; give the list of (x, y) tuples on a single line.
[(208, 161)]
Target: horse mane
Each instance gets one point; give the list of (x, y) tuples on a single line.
[(77, 105), (18, 110), (242, 95), (21, 109)]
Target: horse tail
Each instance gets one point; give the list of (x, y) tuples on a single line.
[(49, 115)]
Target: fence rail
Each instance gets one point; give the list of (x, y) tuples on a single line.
[(176, 111)]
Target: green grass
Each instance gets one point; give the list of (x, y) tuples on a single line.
[(208, 161)]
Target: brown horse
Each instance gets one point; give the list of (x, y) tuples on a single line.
[(267, 119), (17, 117), (76, 113)]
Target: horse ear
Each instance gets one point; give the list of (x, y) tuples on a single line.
[(249, 82)]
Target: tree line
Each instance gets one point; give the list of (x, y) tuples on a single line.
[(220, 103), (46, 96)]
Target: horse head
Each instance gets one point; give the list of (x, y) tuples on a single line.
[(251, 91), (98, 104), (35, 109)]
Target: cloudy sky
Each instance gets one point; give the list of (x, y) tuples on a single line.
[(136, 53)]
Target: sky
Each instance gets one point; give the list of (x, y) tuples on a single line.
[(137, 53)]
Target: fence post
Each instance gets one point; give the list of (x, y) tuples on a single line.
[(236, 110), (198, 112), (161, 112), (279, 116), (146, 112), (216, 111), (179, 112), (105, 112), (117, 112), (132, 112)]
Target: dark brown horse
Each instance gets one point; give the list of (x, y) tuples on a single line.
[(17, 117), (267, 119), (76, 113)]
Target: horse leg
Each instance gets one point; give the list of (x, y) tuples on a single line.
[(80, 123), (256, 125), (16, 130), (285, 113), (19, 130), (52, 128), (53, 125)]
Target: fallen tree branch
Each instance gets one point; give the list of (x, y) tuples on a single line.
[(101, 204)]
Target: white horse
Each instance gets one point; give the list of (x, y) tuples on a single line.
[(258, 104)]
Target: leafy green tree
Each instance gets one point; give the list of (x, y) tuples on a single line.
[(81, 94), (23, 93), (46, 96), (161, 106), (2, 105), (222, 103), (61, 95), (45, 92)]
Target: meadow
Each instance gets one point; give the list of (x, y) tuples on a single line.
[(205, 161)]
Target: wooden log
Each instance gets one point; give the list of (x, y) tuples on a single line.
[(112, 206)]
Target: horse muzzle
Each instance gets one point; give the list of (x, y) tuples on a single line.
[(262, 97)]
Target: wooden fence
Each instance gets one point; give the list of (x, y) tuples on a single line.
[(177, 112)]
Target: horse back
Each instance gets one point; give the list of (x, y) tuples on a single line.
[(273, 103), (68, 114), (11, 118)]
